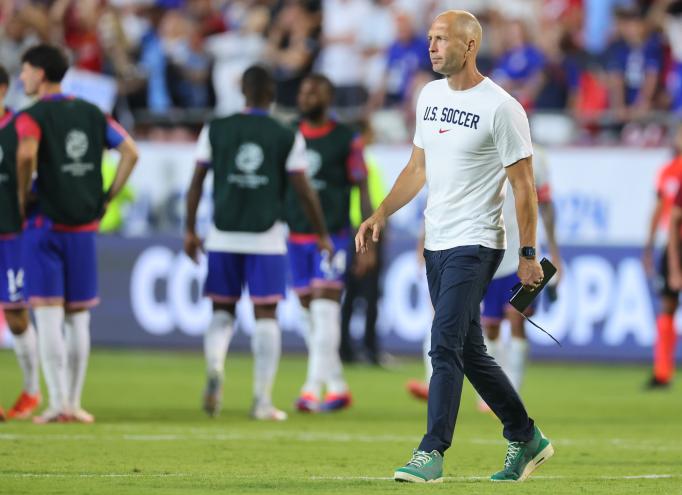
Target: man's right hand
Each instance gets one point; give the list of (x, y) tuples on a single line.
[(369, 229), (192, 246)]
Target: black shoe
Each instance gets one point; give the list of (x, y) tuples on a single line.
[(656, 384)]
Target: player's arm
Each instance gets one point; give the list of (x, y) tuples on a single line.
[(192, 243), (520, 175), (647, 254), (27, 159), (407, 185), (29, 135), (296, 166), (129, 156), (675, 275), (310, 203)]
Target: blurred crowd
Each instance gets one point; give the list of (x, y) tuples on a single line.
[(614, 66)]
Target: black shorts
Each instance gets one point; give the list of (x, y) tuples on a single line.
[(662, 279)]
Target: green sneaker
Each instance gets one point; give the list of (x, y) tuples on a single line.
[(424, 467), (523, 457)]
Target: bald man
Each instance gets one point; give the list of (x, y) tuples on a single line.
[(471, 137)]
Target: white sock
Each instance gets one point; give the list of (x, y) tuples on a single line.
[(266, 345), (426, 348), (216, 342), (77, 332), (516, 361), (326, 318), (306, 325), (495, 350), (26, 349), (49, 322)]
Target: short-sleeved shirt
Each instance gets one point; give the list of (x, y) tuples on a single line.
[(247, 173), (510, 261), (468, 138)]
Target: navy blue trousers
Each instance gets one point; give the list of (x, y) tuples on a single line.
[(458, 279)]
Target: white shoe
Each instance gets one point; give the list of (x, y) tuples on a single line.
[(51, 416), (81, 416), (268, 413)]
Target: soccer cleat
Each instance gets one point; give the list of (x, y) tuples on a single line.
[(25, 405), (2, 414), (267, 412), (213, 396), (51, 416), (336, 402), (423, 467), (418, 390), (524, 457), (308, 403), (81, 416), (656, 384)]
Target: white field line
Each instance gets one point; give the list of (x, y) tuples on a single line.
[(211, 436), (486, 478), (330, 478), (93, 475)]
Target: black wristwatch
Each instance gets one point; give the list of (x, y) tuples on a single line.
[(527, 252)]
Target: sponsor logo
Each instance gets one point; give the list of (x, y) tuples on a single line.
[(76, 144), (443, 131), (314, 165), (249, 159)]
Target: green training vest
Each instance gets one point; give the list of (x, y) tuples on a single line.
[(248, 156)]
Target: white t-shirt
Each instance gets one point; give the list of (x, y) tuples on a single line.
[(468, 138), (273, 240), (342, 62), (510, 261)]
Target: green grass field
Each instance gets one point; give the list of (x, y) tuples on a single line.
[(152, 438)]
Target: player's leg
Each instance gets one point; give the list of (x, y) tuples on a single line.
[(45, 269), (517, 352), (81, 294), (325, 311), (353, 285), (26, 350), (12, 300), (664, 347), (266, 278), (300, 256), (223, 286)]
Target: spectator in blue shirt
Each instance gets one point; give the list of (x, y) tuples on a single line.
[(634, 63), (519, 69), (406, 59)]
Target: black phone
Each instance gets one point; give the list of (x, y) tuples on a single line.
[(522, 298)]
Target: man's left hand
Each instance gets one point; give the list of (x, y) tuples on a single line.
[(530, 273)]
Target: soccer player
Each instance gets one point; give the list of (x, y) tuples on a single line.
[(12, 300), (471, 136), (62, 139), (335, 164), (252, 157), (667, 184), (513, 356)]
